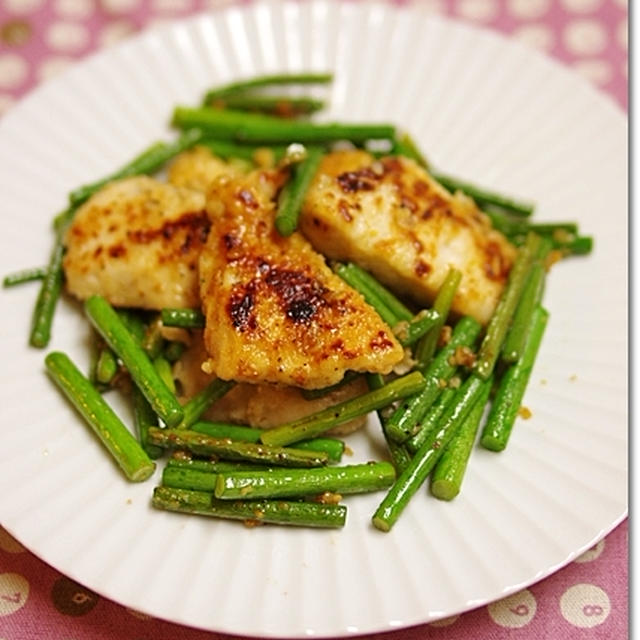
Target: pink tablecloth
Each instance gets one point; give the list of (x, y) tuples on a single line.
[(587, 599)]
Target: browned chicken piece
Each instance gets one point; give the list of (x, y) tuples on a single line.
[(137, 242), (393, 219), (259, 405), (275, 312), (198, 168)]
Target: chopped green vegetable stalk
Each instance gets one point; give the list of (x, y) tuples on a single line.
[(408, 333), (423, 462), (106, 366), (253, 127), (153, 340), (512, 387), (201, 401), (399, 455), (295, 483), (226, 449), (63, 219), (108, 323), (120, 443), (149, 161), (333, 447), (218, 466), (502, 316), (144, 417), (241, 87), (235, 151), (531, 296), (281, 106), (174, 350), (406, 146), (431, 419), (48, 296), (405, 420), (562, 229), (134, 323), (484, 196), (163, 367), (313, 394), (191, 479), (228, 430), (566, 244), (281, 483), (24, 275), (352, 278), (578, 246), (448, 474), (293, 193), (342, 412), (95, 349), (368, 285), (505, 222), (514, 226), (442, 304), (304, 514), (183, 318)]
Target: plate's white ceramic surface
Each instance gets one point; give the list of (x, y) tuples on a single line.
[(483, 108)]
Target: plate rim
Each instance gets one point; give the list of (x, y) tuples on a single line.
[(42, 89)]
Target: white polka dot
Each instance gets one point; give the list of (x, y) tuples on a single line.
[(75, 8), (171, 5), (622, 34), (22, 6), (515, 611), (53, 66), (528, 9), (478, 10), (115, 31), (67, 36), (9, 544), (537, 36), (14, 591), (584, 37), (591, 554), (598, 72), (585, 605), (623, 3), (582, 6), (13, 70), (445, 622)]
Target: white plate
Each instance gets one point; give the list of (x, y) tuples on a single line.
[(483, 108)]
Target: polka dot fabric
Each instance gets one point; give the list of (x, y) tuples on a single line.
[(588, 598), (39, 38), (585, 600)]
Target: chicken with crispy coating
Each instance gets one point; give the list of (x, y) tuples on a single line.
[(137, 242), (392, 218), (275, 312)]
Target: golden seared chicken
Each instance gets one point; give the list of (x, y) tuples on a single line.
[(259, 405), (275, 312), (137, 242), (198, 168), (390, 217)]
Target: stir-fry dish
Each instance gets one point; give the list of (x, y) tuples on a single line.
[(263, 283)]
